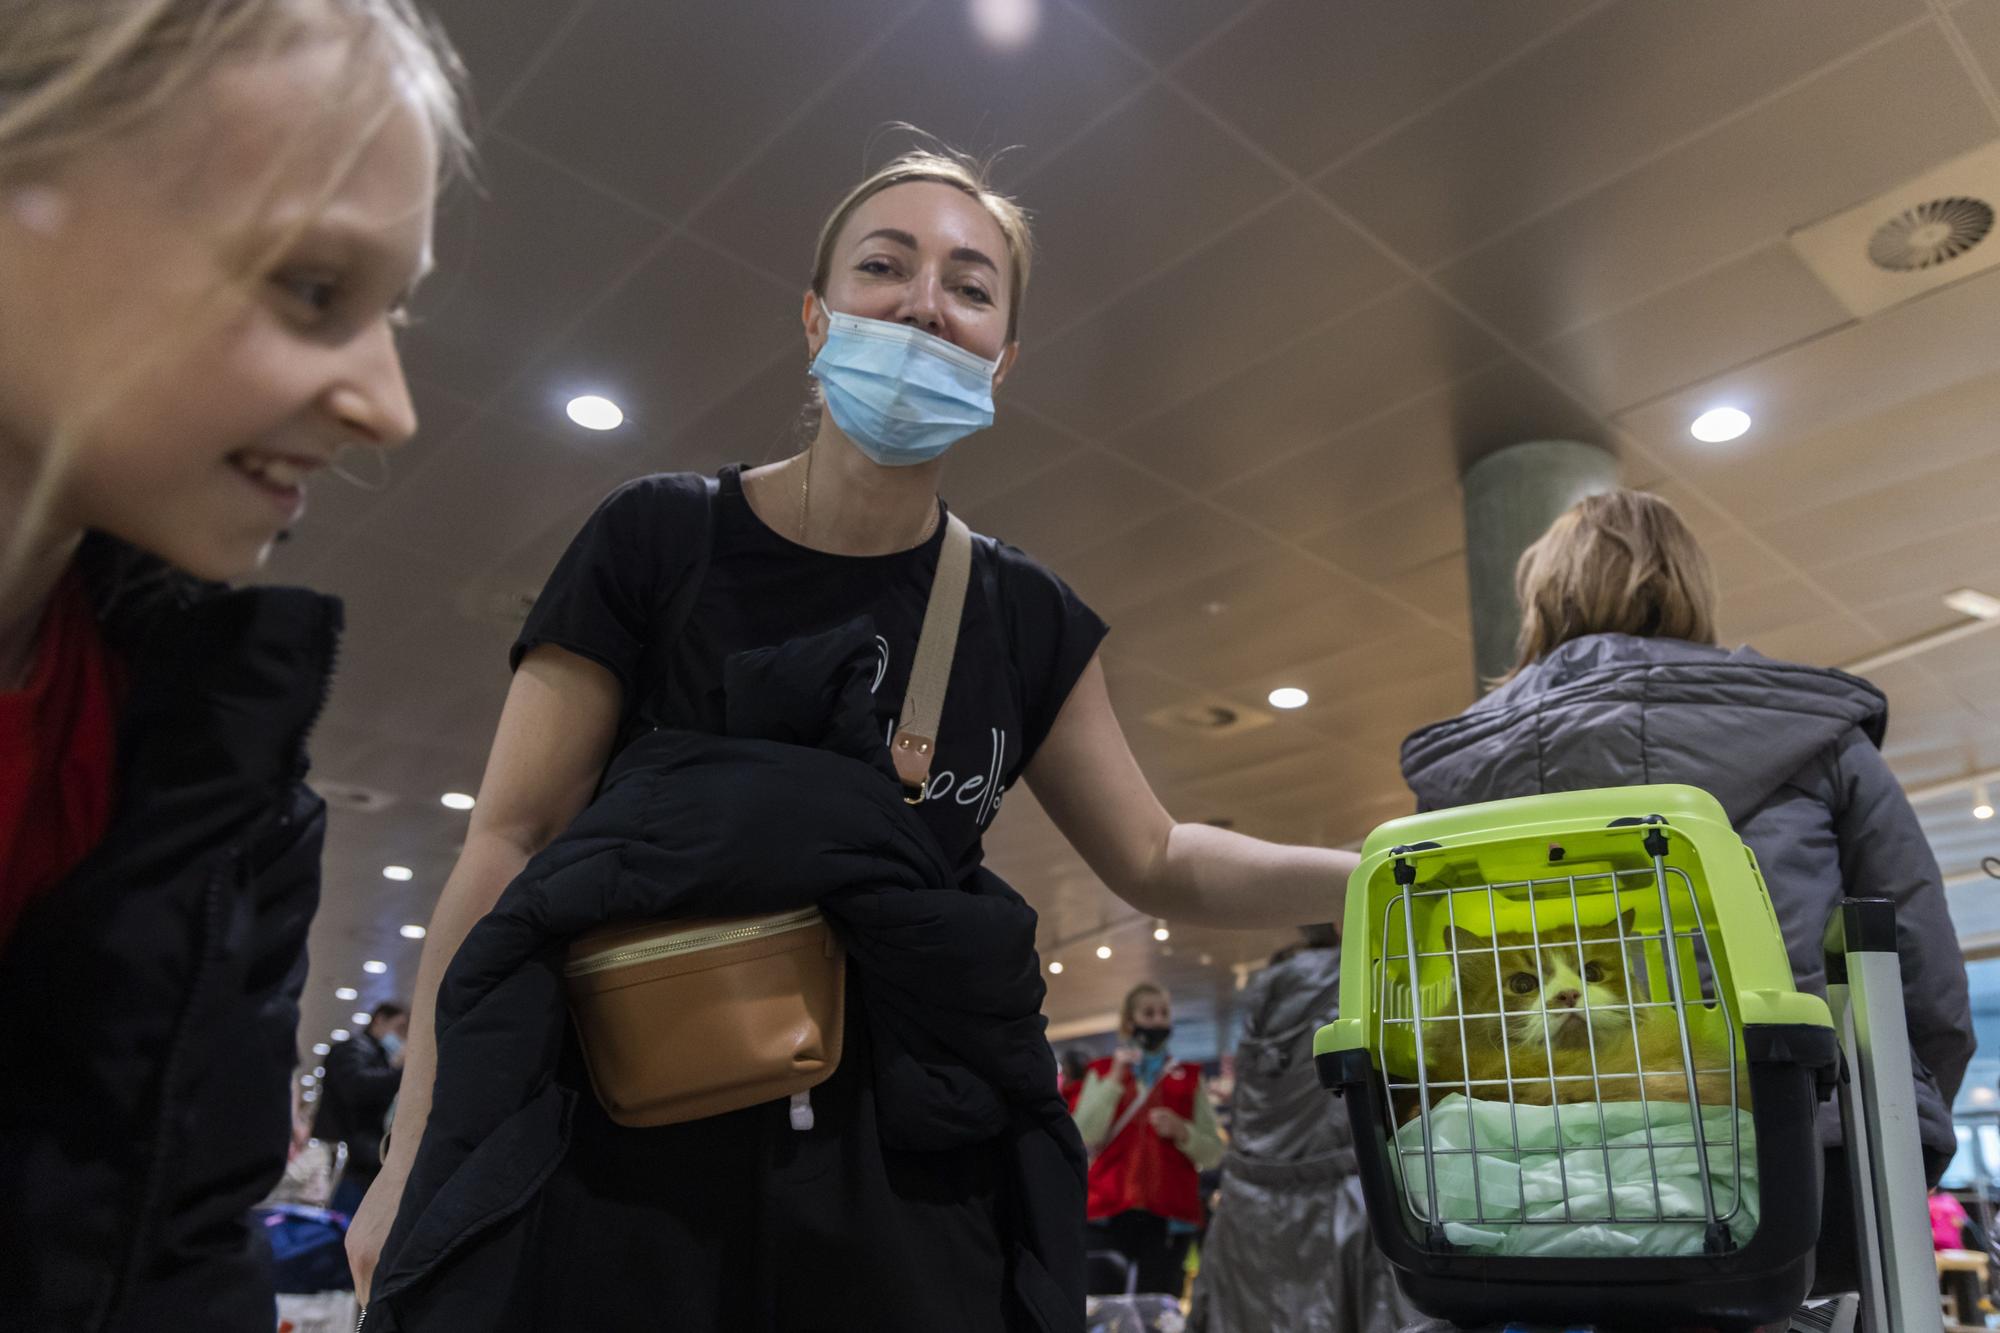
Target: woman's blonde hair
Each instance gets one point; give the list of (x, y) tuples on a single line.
[(1132, 998), (1618, 563), (944, 166), (75, 73)]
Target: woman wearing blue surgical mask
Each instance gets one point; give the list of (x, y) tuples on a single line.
[(746, 1221)]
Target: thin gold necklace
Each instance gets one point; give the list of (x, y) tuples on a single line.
[(805, 506)]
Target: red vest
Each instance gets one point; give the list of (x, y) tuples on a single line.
[(1138, 1169)]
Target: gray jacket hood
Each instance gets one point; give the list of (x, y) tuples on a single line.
[(1734, 723)]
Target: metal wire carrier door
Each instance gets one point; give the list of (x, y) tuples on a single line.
[(1556, 1054)]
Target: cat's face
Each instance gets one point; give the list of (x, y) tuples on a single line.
[(1542, 991)]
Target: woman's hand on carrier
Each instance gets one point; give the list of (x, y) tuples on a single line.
[(1085, 778)]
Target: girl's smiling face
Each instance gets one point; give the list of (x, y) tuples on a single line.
[(201, 314)]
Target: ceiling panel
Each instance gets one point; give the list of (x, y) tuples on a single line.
[(670, 79), (1783, 601), (1438, 589), (1853, 132), (485, 492), (675, 340), (497, 45), (1397, 537), (1880, 520), (932, 73), (517, 261), (1345, 372), (1931, 566), (1423, 443), (1313, 81), (1289, 267), (1725, 317), (1073, 505), (1823, 640), (1922, 350), (1192, 621), (1649, 74), (1979, 21), (1164, 31), (1179, 546), (1144, 187)]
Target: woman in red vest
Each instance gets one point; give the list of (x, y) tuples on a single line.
[(1147, 1121)]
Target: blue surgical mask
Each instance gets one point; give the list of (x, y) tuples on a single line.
[(902, 395), (392, 1044)]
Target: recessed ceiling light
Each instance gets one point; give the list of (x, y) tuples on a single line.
[(1214, 608), (319, 1071), (310, 1097), (398, 873), (1289, 696), (1206, 959), (594, 413), (363, 1017), (1103, 951), (374, 967), (346, 993), (1160, 932), (413, 932), (307, 1080), (457, 800), (1055, 969), (321, 1048), (1006, 24), (1972, 602), (340, 1034), (1719, 424)]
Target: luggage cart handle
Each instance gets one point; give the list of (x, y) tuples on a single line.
[(1878, 1113)]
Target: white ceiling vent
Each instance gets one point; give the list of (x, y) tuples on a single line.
[(353, 797), (1924, 234), (1209, 717)]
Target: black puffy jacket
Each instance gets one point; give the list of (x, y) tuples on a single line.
[(693, 825), (150, 1001)]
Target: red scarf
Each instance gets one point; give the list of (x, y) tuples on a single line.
[(58, 754)]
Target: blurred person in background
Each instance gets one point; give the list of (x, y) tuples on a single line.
[(1150, 1128), (363, 1074), (1289, 1247)]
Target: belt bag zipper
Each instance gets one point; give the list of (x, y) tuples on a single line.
[(671, 943)]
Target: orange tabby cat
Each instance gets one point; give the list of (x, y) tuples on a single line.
[(1551, 1034)]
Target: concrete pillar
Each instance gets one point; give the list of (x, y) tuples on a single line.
[(1511, 497)]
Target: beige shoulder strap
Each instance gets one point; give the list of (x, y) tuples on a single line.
[(916, 734)]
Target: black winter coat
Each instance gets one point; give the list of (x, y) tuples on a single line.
[(150, 1001), (691, 825)]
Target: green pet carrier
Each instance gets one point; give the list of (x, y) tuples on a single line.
[(1578, 1066)]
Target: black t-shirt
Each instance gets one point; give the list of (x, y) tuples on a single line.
[(1023, 640)]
